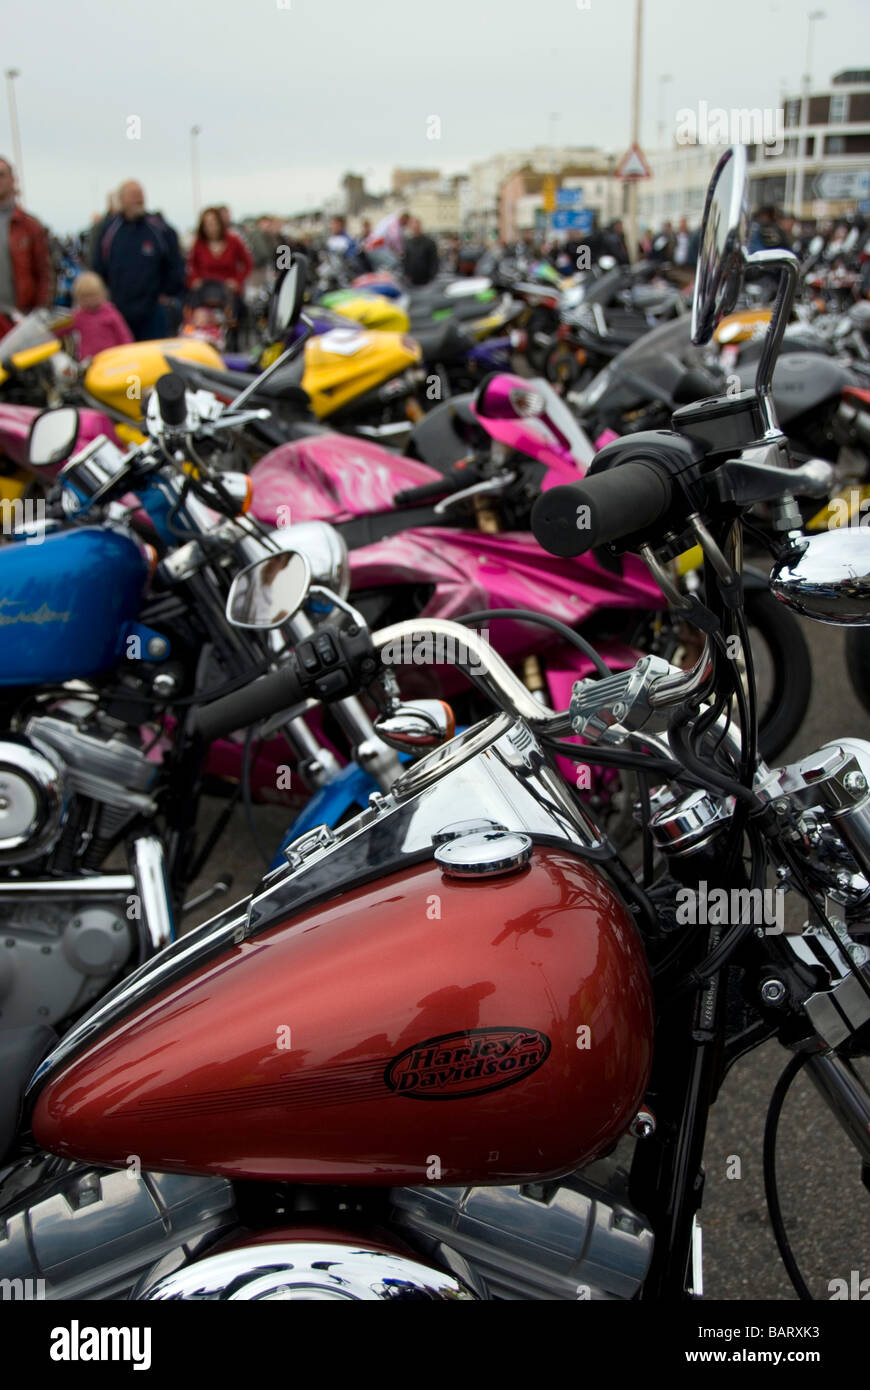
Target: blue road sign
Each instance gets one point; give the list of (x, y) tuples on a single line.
[(569, 198), (565, 220)]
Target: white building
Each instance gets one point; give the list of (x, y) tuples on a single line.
[(824, 168), (678, 185)]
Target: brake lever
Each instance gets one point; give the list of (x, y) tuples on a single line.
[(747, 480), (496, 484)]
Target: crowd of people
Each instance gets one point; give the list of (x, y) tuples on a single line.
[(127, 278)]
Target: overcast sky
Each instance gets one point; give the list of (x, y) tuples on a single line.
[(291, 93)]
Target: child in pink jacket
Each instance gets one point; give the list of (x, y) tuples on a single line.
[(97, 323)]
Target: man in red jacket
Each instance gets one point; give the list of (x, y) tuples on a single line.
[(25, 262)]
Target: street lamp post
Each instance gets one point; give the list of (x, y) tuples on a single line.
[(11, 74), (194, 170), (631, 204), (663, 81), (805, 109)]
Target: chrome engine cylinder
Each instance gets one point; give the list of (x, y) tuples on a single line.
[(32, 799)]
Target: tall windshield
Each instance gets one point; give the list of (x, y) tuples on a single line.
[(660, 358), (30, 332)]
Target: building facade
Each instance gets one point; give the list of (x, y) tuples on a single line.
[(824, 168)]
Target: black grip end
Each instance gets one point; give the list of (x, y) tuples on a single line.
[(621, 502), (171, 398), (554, 522)]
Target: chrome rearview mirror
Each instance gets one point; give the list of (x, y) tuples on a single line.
[(724, 233), (827, 577), (285, 305), (52, 437), (269, 591)]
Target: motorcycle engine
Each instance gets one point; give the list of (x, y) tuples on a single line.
[(69, 786)]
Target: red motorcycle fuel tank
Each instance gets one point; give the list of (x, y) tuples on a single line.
[(413, 1029)]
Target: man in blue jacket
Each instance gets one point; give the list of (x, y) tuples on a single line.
[(138, 256)]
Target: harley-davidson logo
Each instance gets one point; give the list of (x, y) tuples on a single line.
[(469, 1063)]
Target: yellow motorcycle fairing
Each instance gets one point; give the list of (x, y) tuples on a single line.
[(121, 377), (343, 364), (739, 327), (13, 484), (32, 356), (487, 327), (374, 311)]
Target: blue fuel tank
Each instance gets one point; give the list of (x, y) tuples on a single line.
[(65, 604)]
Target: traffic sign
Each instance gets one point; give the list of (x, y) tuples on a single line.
[(842, 184), (573, 220), (569, 198), (549, 193), (864, 206), (633, 165)]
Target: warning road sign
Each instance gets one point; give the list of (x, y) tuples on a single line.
[(633, 165)]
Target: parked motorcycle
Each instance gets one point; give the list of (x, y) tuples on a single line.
[(346, 993), (604, 316)]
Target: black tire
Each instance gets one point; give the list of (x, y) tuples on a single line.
[(858, 663), (787, 702), (561, 366)]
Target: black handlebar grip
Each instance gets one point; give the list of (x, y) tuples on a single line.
[(262, 697), (170, 398), (576, 517), (426, 492)]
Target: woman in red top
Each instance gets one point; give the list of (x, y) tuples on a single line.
[(219, 256)]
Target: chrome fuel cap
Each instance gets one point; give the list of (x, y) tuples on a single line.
[(483, 854), (479, 825)]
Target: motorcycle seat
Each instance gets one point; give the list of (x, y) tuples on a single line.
[(21, 1051), (458, 309), (443, 342), (284, 385)]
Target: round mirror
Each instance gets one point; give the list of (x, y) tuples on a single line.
[(53, 436), (607, 262), (285, 305), (827, 577), (724, 231), (269, 591)]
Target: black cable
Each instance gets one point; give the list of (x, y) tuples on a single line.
[(771, 1191), (527, 615), (708, 776), (646, 833), (721, 953), (667, 768), (246, 794)]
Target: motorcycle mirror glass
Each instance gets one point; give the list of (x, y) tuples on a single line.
[(827, 577), (285, 305), (52, 437), (607, 262), (269, 591), (721, 247), (816, 245)]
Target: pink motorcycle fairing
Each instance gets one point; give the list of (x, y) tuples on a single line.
[(331, 477), (15, 422), (528, 417)]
